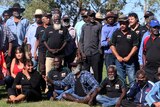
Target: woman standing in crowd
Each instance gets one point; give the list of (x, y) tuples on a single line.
[(26, 85)]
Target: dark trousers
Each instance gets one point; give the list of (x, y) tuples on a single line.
[(31, 94), (69, 59), (41, 62), (94, 61), (152, 74)]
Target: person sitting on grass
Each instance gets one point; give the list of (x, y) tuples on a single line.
[(26, 85), (82, 83), (112, 89), (138, 91), (57, 73)]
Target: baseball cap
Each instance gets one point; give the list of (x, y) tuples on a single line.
[(154, 23)]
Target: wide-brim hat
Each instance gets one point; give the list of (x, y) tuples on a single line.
[(123, 18), (99, 16), (110, 14), (38, 12), (16, 6)]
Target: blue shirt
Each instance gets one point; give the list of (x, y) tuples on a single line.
[(30, 35), (89, 83), (19, 30), (154, 95), (78, 28), (140, 53), (106, 33)]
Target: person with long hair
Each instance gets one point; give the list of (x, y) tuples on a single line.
[(26, 85), (17, 63)]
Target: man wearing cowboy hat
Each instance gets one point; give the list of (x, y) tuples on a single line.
[(30, 35), (17, 24), (124, 44), (110, 26)]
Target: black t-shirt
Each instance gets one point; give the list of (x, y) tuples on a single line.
[(124, 43), (78, 88), (38, 35), (58, 76), (140, 30), (152, 53), (55, 39), (112, 88)]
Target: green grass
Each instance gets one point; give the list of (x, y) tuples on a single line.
[(45, 103)]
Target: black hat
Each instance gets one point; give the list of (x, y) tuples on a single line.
[(16, 6)]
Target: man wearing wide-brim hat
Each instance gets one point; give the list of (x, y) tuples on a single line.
[(108, 29), (99, 17), (124, 44), (30, 35), (82, 83), (17, 24)]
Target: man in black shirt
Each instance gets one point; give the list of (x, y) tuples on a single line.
[(124, 44), (58, 73), (112, 89), (140, 30), (55, 39)]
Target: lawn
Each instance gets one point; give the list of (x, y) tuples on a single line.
[(45, 103)]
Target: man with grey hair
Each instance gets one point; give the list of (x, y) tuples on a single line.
[(55, 39), (112, 89)]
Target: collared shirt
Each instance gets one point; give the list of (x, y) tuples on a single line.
[(140, 53), (19, 30), (30, 35), (114, 88), (151, 50), (89, 83), (154, 95), (106, 33), (124, 43), (90, 39), (78, 28), (6, 37), (55, 40)]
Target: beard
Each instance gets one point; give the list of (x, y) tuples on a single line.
[(57, 26), (111, 78)]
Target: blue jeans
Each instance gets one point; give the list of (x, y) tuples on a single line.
[(109, 59), (106, 101), (35, 63), (126, 69), (61, 92)]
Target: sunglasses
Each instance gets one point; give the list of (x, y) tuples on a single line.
[(38, 16)]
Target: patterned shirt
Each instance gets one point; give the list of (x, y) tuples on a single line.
[(89, 83), (6, 37)]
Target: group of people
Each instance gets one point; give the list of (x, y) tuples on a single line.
[(67, 62)]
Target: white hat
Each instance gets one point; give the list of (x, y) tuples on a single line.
[(99, 16), (38, 12)]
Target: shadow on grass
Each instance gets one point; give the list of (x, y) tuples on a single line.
[(3, 93)]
